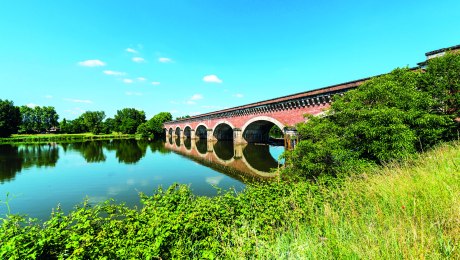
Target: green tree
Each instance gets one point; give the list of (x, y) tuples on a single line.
[(154, 126), (109, 126), (442, 82), (386, 118), (48, 117), (10, 118), (38, 119), (93, 121), (75, 126), (128, 119), (27, 123)]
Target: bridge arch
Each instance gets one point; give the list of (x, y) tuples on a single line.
[(224, 151), (257, 129), (187, 131), (177, 131), (223, 130), (201, 131), (170, 131), (201, 147)]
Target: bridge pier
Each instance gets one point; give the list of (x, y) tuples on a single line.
[(192, 134), (210, 146), (291, 138), (238, 151), (238, 136), (210, 136)]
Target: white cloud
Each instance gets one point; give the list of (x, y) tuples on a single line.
[(194, 113), (129, 93), (164, 60), (78, 100), (114, 73), (138, 59), (48, 96), (190, 102), (131, 50), (238, 95), (91, 63), (141, 79), (32, 105), (214, 180), (128, 81), (196, 97), (212, 107), (155, 83), (75, 111), (212, 79)]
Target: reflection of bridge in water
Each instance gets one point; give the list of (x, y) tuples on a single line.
[(237, 160)]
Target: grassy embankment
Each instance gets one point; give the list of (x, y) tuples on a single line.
[(40, 138), (400, 211)]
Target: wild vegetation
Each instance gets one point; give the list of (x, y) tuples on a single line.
[(407, 210), (390, 117), (360, 184)]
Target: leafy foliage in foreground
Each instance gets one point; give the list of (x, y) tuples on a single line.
[(408, 211)]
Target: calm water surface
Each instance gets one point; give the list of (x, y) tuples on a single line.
[(39, 177)]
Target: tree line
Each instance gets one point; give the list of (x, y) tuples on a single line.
[(27, 120)]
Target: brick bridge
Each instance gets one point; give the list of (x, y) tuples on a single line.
[(251, 123)]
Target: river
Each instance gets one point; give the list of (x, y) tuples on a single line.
[(35, 178)]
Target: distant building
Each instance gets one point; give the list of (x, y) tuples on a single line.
[(438, 53)]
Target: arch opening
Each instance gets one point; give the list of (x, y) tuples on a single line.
[(177, 132), (223, 132), (263, 131), (177, 141), (170, 131), (188, 144), (201, 132), (201, 146), (224, 150), (187, 132)]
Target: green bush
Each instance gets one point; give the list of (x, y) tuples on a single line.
[(387, 118)]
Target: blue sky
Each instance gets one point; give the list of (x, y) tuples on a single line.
[(191, 57)]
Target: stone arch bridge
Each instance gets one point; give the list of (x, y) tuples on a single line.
[(251, 123)]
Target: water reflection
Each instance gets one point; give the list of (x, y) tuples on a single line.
[(67, 173), (92, 152), (234, 160), (13, 158)]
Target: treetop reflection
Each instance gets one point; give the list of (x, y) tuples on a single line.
[(248, 160), (15, 158)]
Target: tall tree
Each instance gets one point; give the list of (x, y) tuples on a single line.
[(154, 127), (10, 118), (38, 119), (128, 119), (442, 81), (93, 120)]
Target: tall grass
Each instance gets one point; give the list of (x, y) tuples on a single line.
[(400, 211)]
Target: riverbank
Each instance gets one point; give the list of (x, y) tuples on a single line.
[(405, 210), (44, 138)]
